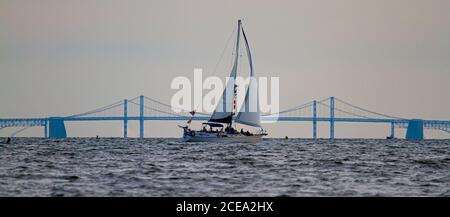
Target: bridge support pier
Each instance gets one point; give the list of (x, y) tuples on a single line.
[(332, 117), (125, 118), (46, 129), (392, 130), (315, 119), (141, 117), (415, 130), (57, 129)]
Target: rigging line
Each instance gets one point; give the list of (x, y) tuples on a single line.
[(233, 52), (349, 113), (366, 110), (97, 110), (240, 61), (223, 52)]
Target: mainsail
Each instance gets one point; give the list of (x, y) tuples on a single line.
[(249, 113), (224, 110)]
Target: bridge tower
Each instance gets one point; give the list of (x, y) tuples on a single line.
[(415, 130), (57, 129), (46, 129), (392, 130), (332, 117), (315, 119), (141, 116), (125, 118)]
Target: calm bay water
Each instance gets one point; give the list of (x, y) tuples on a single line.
[(274, 167)]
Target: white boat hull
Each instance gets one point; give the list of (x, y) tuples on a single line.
[(212, 137)]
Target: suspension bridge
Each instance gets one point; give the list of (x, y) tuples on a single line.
[(330, 110)]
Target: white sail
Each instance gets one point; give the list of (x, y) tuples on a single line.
[(249, 114), (224, 110)]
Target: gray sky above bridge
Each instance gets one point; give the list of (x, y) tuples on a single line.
[(65, 57)]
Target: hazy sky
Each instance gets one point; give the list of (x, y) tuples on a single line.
[(64, 57)]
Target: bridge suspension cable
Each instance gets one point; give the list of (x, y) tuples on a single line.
[(19, 131), (169, 106), (135, 98), (291, 109), (157, 110), (104, 108), (369, 111), (305, 105), (340, 110), (445, 130)]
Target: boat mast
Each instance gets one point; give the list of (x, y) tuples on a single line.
[(236, 62)]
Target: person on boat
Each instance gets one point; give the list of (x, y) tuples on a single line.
[(242, 131), (204, 129), (231, 130)]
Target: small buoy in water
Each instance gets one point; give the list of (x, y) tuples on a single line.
[(96, 137)]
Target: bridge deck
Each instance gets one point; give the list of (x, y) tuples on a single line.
[(289, 115), (19, 122)]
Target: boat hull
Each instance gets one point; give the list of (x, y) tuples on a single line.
[(238, 138)]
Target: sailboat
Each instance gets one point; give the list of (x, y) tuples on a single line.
[(220, 123)]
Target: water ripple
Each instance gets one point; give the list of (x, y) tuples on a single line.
[(274, 167)]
